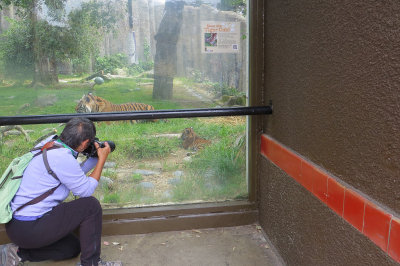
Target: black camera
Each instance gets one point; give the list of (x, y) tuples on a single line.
[(91, 151)]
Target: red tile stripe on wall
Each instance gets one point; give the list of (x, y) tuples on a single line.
[(378, 225)]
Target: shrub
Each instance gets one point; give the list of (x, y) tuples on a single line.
[(110, 63), (148, 65), (135, 69), (225, 89)]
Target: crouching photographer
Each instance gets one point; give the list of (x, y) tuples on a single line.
[(43, 228)]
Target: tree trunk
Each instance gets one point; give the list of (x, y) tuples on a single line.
[(165, 57), (165, 86), (53, 70), (33, 19), (45, 69)]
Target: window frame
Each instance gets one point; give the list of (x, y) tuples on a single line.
[(200, 215)]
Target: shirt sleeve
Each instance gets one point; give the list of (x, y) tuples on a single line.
[(89, 164), (70, 173)]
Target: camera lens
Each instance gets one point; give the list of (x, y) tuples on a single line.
[(110, 143)]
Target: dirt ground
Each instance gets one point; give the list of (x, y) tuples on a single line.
[(233, 246)]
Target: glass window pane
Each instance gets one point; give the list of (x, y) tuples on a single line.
[(64, 56)]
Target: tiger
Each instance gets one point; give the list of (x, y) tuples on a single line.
[(192, 141), (90, 103)]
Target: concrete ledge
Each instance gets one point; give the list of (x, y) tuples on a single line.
[(144, 220), (179, 217)]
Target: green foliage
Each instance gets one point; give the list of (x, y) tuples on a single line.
[(225, 89), (26, 4), (135, 69), (54, 41), (81, 65), (145, 65), (148, 65), (86, 38), (87, 25), (74, 37), (16, 50), (146, 52), (34, 46), (101, 15), (110, 63), (56, 9), (197, 75), (239, 6)]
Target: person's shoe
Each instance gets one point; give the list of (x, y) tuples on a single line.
[(9, 256), (110, 263), (105, 263)]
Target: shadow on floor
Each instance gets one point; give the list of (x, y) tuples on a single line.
[(233, 246)]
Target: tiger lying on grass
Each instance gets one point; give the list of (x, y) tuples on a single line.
[(192, 141), (90, 103)]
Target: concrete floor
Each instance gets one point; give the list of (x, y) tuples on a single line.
[(233, 246)]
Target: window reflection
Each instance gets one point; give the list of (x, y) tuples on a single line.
[(67, 56)]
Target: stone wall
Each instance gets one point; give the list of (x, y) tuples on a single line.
[(223, 68), (146, 15)]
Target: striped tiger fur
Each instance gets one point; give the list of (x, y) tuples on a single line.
[(90, 103), (192, 141)]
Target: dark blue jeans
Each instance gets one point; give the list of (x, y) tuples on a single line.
[(51, 237)]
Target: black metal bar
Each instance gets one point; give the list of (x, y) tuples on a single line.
[(115, 116)]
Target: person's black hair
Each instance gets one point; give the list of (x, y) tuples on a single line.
[(77, 130)]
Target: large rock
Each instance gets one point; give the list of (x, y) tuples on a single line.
[(145, 172)]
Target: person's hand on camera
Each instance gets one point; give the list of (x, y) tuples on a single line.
[(102, 153)]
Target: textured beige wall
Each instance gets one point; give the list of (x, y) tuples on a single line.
[(333, 73), (332, 70)]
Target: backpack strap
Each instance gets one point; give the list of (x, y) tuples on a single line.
[(48, 146), (46, 164), (36, 154), (43, 150), (39, 198)]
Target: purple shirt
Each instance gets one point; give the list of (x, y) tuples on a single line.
[(36, 181)]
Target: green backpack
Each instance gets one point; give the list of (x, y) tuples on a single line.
[(12, 177)]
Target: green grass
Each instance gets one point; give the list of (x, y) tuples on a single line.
[(148, 148), (214, 177), (136, 178), (214, 173), (112, 198)]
